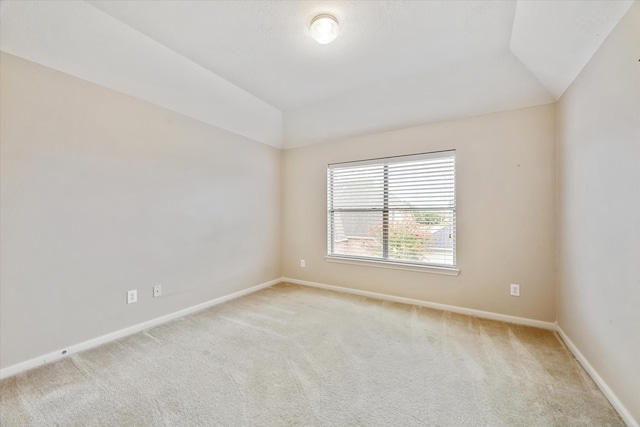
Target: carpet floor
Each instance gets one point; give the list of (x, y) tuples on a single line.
[(292, 355)]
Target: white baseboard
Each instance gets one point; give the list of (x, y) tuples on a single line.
[(609, 394), (452, 308), (615, 402), (76, 348)]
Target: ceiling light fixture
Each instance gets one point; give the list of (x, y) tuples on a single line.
[(324, 28)]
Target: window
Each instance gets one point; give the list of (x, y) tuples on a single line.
[(397, 210)]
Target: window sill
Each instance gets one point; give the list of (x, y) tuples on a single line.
[(447, 271)]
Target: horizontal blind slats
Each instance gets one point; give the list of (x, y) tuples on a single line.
[(394, 209)]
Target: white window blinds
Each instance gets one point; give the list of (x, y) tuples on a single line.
[(398, 209)]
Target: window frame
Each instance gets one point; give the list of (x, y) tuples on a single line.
[(385, 261)]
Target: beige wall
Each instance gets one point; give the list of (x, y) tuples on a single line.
[(599, 211), (506, 212), (101, 193)]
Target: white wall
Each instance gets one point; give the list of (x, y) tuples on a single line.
[(506, 199), (599, 211), (101, 193)]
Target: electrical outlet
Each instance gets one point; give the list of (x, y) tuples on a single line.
[(515, 290), (157, 291), (132, 296), (302, 263)]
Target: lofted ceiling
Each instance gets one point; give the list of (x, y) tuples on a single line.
[(252, 68)]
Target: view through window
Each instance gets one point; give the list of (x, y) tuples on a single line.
[(397, 209)]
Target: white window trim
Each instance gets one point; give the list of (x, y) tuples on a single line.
[(398, 264), (395, 265)]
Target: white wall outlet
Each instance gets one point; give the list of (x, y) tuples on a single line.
[(157, 291), (132, 296), (515, 290), (302, 263)]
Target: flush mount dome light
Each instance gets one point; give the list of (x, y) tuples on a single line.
[(324, 28)]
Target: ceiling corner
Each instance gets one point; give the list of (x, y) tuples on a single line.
[(555, 40)]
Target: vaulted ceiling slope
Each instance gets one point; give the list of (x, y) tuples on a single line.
[(252, 68)]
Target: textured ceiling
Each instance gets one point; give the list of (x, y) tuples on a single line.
[(251, 67), (265, 46), (556, 39)]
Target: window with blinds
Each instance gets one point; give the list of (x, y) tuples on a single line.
[(397, 210)]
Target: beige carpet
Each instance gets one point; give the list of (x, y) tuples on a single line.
[(291, 355)]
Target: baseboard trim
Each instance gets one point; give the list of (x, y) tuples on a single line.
[(94, 342), (602, 385), (452, 308)]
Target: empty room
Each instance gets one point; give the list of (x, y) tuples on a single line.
[(320, 213)]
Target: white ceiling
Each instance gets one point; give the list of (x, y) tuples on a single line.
[(251, 67)]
